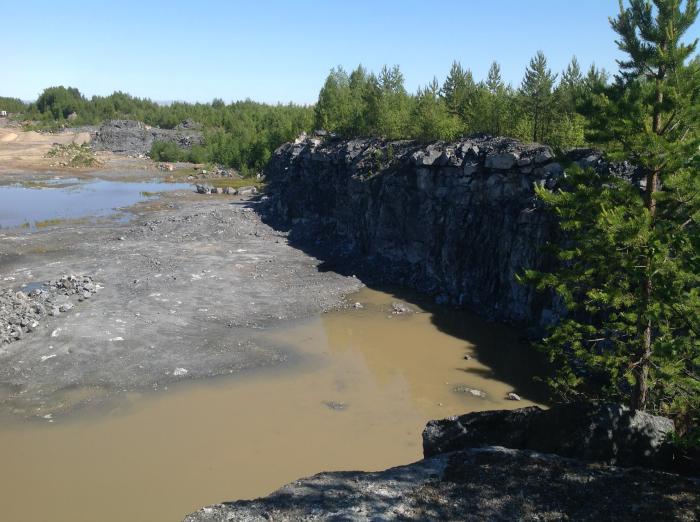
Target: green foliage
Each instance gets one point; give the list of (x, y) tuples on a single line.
[(364, 104), (244, 134), (431, 117), (167, 151), (460, 94), (629, 271), (392, 103), (12, 105), (536, 92), (60, 102), (197, 154), (240, 135), (73, 155), (494, 101)]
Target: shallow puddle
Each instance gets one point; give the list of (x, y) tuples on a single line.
[(62, 199), (372, 380)]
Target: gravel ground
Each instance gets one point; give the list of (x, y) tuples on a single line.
[(183, 290)]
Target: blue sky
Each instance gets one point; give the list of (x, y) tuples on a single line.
[(282, 51)]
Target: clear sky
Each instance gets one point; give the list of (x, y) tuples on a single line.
[(273, 51)]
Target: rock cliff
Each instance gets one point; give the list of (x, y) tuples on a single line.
[(454, 220)]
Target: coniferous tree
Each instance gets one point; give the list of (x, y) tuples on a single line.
[(630, 266), (333, 109), (570, 88), (495, 101), (493, 78), (360, 83), (460, 94), (536, 91), (430, 116), (393, 112), (568, 125)]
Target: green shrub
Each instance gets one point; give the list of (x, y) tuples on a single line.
[(167, 151), (198, 154)]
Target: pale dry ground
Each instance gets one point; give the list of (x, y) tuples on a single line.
[(23, 156), (27, 150)]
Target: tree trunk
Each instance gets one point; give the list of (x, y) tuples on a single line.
[(641, 370)]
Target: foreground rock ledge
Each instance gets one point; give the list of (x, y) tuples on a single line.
[(491, 482)]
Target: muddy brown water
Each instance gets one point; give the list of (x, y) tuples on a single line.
[(371, 381)]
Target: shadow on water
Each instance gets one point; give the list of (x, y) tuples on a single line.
[(510, 357)]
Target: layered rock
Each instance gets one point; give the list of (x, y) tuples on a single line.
[(455, 220)]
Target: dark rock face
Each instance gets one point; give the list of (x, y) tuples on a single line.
[(608, 433), (455, 220), (134, 137), (490, 483)]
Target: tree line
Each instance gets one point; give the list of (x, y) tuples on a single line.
[(244, 134), (241, 135), (540, 109)]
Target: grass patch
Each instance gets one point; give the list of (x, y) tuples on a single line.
[(60, 221), (48, 223), (73, 155), (35, 184)]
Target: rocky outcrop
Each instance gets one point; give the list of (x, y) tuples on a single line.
[(21, 313), (608, 433), (455, 220), (136, 138), (458, 482)]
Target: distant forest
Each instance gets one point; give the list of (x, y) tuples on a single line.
[(547, 107)]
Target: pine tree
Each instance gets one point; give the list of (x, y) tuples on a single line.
[(431, 118), (570, 88), (495, 101), (629, 271), (459, 93), (393, 111), (493, 79), (360, 84), (333, 109), (567, 124), (536, 90)]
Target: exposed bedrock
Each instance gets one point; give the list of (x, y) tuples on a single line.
[(606, 433), (455, 220)]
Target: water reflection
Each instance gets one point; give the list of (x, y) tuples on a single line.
[(369, 381), (29, 207)]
